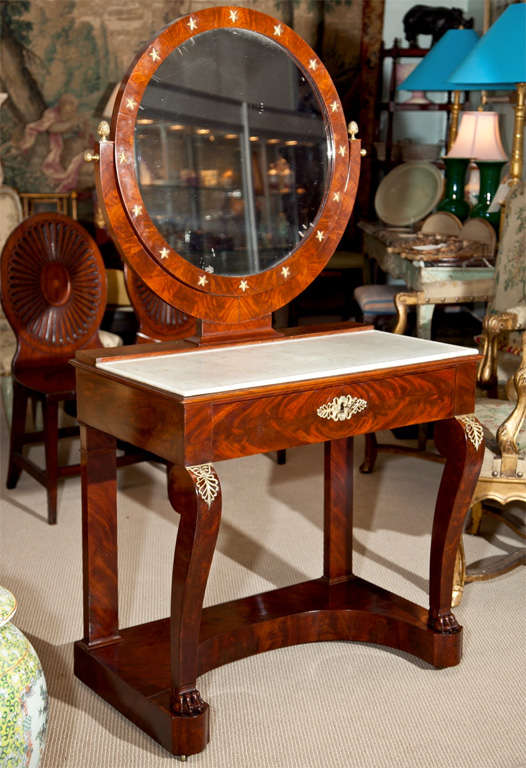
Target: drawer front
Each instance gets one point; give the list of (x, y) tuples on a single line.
[(279, 421)]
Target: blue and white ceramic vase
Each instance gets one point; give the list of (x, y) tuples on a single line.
[(23, 694)]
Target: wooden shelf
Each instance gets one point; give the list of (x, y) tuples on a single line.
[(391, 106), (133, 672)]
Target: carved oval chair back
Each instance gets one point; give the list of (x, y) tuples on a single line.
[(158, 320), (53, 294)]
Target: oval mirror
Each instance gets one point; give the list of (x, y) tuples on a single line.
[(231, 152)]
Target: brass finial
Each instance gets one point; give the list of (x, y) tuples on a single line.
[(353, 130), (103, 130)]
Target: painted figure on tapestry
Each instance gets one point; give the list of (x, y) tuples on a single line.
[(56, 122)]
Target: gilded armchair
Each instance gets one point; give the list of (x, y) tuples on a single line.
[(503, 475)]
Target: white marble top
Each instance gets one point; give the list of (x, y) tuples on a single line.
[(205, 371)]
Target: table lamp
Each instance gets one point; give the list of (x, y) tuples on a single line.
[(432, 75), (478, 139), (498, 62)]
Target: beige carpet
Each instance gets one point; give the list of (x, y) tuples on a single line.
[(329, 705)]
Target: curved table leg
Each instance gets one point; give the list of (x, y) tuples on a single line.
[(460, 441), (195, 494)]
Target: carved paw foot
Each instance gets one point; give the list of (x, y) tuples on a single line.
[(188, 703), (446, 624)]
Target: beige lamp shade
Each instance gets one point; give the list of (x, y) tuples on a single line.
[(478, 138)]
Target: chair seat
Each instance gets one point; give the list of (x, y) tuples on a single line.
[(492, 413), (56, 381), (377, 299)]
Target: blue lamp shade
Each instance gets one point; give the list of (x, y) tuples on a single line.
[(435, 68), (498, 61)]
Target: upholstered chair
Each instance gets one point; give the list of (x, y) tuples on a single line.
[(503, 476), (10, 216)]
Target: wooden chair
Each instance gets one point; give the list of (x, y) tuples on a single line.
[(53, 292), (158, 321)]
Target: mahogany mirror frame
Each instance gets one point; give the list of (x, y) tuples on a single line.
[(220, 299)]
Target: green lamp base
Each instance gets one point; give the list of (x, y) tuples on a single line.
[(489, 182), (453, 201)]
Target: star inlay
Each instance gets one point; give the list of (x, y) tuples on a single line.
[(320, 235), (334, 106), (336, 197), (164, 253), (233, 15), (285, 271), (313, 64), (278, 29), (155, 55), (131, 103), (192, 24), (203, 280), (137, 210), (243, 285), (341, 150), (122, 157)]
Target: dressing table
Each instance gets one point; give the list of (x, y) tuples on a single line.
[(230, 246)]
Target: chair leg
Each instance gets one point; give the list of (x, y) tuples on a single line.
[(50, 413), (476, 517), (371, 452), (18, 426)]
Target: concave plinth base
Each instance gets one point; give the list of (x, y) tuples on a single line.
[(133, 673)]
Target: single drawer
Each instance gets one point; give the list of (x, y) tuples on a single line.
[(240, 428)]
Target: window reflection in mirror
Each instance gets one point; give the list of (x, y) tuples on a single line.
[(231, 152)]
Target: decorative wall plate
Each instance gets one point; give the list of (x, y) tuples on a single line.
[(482, 231), (442, 223), (408, 193)]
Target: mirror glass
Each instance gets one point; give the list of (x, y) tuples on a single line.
[(231, 152)]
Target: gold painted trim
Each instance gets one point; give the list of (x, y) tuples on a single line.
[(341, 408), (207, 484), (473, 429)]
